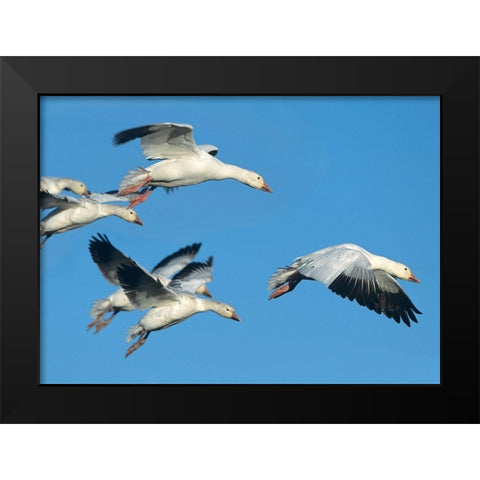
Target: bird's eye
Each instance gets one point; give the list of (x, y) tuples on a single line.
[(406, 268), (131, 213), (258, 178), (228, 309)]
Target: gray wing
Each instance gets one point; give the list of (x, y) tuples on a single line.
[(193, 276), (107, 257), (347, 273), (392, 300), (53, 200), (142, 289), (176, 261), (161, 140)]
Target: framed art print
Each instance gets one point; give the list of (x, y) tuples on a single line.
[(381, 153)]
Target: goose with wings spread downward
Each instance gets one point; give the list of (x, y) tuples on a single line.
[(350, 271), (183, 161), (188, 275), (168, 305)]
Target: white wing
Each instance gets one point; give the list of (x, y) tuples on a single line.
[(109, 197), (176, 261), (162, 140), (193, 276), (346, 271)]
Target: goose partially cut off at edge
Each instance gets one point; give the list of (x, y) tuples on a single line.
[(71, 212), (168, 304), (58, 184), (183, 161), (350, 271), (189, 276)]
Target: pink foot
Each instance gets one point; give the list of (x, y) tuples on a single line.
[(102, 325), (139, 199), (280, 291), (135, 188), (96, 321), (135, 346)]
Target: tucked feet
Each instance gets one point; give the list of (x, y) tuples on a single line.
[(280, 291), (135, 188), (140, 199)]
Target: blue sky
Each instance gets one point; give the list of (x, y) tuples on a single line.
[(343, 169)]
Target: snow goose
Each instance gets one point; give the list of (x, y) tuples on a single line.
[(58, 184), (190, 277), (170, 304), (350, 271), (71, 213), (183, 161)]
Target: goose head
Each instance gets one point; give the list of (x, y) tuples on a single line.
[(254, 180), (77, 187), (225, 310), (404, 273), (130, 216)]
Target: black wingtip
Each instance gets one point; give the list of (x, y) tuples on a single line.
[(131, 134), (100, 248)]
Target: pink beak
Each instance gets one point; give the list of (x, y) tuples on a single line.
[(413, 278), (137, 220), (235, 317), (266, 188)]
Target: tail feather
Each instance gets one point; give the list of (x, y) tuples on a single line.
[(134, 177), (100, 307), (134, 332), (281, 276)]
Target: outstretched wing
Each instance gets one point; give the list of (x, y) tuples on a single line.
[(111, 196), (161, 140), (347, 272), (176, 261), (53, 200), (142, 289), (107, 257), (193, 276)]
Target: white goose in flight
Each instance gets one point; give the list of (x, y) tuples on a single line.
[(183, 161), (71, 212), (190, 276), (350, 271), (58, 184), (170, 304)]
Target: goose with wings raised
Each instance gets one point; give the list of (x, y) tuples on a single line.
[(71, 212), (183, 161), (168, 305), (190, 276), (350, 271)]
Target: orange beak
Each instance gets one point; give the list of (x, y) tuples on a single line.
[(137, 220), (266, 188), (235, 317), (413, 278)]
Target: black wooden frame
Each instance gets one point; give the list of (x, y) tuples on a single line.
[(454, 79)]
